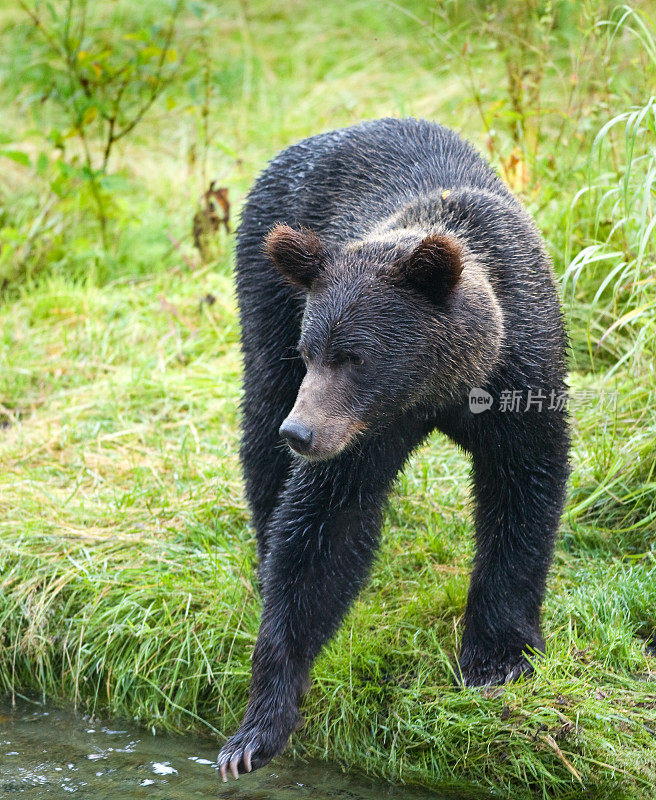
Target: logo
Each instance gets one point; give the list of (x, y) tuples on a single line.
[(479, 400)]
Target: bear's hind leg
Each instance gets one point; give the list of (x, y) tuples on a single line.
[(270, 390), (519, 500), (270, 314)]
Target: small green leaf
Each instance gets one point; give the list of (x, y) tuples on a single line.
[(89, 115), (55, 136), (113, 183), (42, 163), (16, 155)]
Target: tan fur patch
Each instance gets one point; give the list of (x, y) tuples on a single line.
[(318, 408)]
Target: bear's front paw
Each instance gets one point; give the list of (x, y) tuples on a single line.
[(479, 667), (253, 746)]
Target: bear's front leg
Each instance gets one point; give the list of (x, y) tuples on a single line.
[(322, 537), (519, 497)]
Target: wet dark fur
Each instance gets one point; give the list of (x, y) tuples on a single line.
[(318, 523)]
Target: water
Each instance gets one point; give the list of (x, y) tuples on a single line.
[(49, 753)]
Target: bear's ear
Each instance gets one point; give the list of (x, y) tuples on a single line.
[(433, 267), (296, 254)]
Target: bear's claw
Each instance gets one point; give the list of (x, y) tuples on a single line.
[(247, 759), (233, 760), (251, 747), (481, 669)]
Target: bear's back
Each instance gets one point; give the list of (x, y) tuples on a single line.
[(342, 183)]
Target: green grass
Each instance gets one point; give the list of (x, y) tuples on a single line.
[(126, 557)]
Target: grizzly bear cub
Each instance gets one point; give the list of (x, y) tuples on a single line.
[(390, 285)]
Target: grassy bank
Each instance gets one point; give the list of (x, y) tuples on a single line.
[(126, 559)]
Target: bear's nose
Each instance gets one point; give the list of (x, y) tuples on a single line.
[(298, 436)]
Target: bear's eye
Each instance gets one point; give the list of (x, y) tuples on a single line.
[(303, 353), (345, 357)]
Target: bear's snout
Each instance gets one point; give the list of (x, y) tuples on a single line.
[(320, 426), (297, 435)]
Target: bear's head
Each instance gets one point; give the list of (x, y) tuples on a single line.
[(404, 322)]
